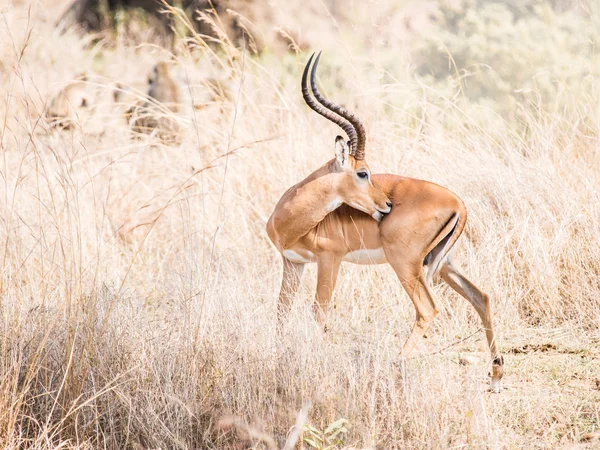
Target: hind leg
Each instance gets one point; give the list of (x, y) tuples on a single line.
[(481, 303), (414, 283)]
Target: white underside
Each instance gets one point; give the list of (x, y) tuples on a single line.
[(364, 256), (296, 257)]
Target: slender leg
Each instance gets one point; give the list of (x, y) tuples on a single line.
[(481, 303), (328, 266), (413, 281), (290, 281)]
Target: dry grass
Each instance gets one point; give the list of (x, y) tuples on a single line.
[(138, 286)]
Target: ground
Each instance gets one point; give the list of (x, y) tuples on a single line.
[(138, 285)]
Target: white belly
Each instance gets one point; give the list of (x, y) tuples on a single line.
[(366, 256), (299, 257)]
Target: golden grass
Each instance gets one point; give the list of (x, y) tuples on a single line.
[(138, 287)]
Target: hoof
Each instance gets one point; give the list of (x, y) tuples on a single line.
[(497, 373), (496, 386)]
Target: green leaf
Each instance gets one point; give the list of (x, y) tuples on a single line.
[(312, 429), (342, 430), (312, 443), (335, 425)]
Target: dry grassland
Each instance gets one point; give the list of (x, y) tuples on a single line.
[(138, 286)]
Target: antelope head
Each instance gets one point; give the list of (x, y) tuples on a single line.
[(349, 167)]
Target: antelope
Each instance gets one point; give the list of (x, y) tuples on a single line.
[(342, 212), (163, 88), (154, 114), (66, 107)]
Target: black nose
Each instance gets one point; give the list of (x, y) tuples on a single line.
[(389, 204)]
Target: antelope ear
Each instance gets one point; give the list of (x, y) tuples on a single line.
[(341, 152)]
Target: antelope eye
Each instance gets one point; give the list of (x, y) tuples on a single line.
[(362, 174)]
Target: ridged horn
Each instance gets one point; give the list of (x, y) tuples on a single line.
[(344, 124), (357, 145)]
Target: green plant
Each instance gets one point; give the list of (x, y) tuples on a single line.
[(499, 54), (326, 439)]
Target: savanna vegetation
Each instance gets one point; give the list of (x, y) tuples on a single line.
[(138, 286)]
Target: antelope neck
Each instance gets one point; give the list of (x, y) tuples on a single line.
[(306, 204)]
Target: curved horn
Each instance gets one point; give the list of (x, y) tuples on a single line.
[(358, 145), (345, 125)]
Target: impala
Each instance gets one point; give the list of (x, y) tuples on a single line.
[(342, 212)]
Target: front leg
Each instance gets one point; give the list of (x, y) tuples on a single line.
[(290, 282), (328, 266)]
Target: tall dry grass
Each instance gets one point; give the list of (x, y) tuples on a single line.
[(138, 286)]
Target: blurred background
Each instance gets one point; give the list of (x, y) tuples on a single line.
[(496, 53), (138, 286)]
